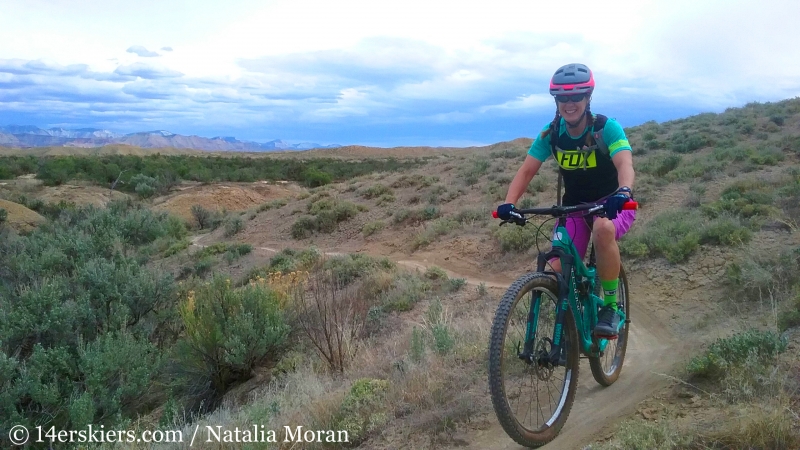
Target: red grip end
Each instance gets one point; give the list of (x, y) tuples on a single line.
[(630, 205), (494, 214)]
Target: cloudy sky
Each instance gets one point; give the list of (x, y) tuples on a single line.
[(385, 73)]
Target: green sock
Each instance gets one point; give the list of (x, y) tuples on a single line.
[(610, 292)]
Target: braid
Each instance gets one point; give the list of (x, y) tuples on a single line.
[(589, 124), (553, 125)]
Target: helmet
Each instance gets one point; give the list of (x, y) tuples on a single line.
[(572, 79)]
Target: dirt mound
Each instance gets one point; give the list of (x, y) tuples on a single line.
[(227, 196), (80, 195), (21, 218)]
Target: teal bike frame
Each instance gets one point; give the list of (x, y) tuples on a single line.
[(575, 292)]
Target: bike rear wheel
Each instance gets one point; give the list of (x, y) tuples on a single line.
[(532, 399), (606, 368)]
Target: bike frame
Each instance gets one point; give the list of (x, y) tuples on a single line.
[(575, 292)]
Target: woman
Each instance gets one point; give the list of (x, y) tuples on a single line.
[(604, 173)]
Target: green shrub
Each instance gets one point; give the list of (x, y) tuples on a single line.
[(443, 340), (515, 238), (638, 434), (677, 234), (725, 231), (347, 268), (471, 216), (745, 198), (274, 204), (538, 184), (371, 228), (206, 219), (313, 177), (289, 260), (236, 251), (759, 274), (457, 283), (417, 348), (436, 273), (430, 212), (233, 225), (737, 153), (384, 199), (177, 247), (660, 166), (730, 353), (76, 305), (327, 213), (682, 142), (527, 202), (746, 126), (145, 191), (777, 119), (303, 227), (376, 190), (401, 215), (415, 216), (696, 168), (418, 180), (364, 409), (767, 157), (203, 266), (228, 332), (438, 227), (217, 248), (406, 291), (655, 144), (3, 216), (674, 235)]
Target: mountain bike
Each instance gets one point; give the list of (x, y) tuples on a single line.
[(543, 327)]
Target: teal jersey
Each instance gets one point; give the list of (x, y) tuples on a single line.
[(589, 176), (613, 136)]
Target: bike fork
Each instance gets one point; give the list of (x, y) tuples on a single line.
[(553, 356)]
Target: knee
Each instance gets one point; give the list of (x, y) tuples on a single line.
[(555, 265), (604, 232)]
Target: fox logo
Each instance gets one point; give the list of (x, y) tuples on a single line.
[(576, 159)]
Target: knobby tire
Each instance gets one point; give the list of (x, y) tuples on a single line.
[(500, 359)]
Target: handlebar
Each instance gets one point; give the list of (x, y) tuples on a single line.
[(518, 216)]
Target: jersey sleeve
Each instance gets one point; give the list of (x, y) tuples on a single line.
[(540, 149), (615, 138)]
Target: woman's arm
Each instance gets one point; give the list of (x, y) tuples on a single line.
[(623, 161), (523, 177)]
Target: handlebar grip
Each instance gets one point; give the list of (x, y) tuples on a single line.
[(494, 215), (630, 205)]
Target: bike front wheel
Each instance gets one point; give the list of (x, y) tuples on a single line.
[(606, 368), (532, 397)]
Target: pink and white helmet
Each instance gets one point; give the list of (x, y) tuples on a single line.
[(572, 79)]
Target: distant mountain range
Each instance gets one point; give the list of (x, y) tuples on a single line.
[(25, 136)]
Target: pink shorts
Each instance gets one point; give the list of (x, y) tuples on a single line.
[(580, 232)]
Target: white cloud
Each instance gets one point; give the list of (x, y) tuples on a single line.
[(313, 62), (141, 51)]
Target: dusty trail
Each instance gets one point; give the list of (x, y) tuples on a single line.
[(653, 350)]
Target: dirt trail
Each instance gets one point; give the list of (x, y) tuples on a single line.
[(653, 350)]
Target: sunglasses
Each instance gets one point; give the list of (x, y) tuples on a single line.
[(571, 98)]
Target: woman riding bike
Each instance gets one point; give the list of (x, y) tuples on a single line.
[(595, 161)]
